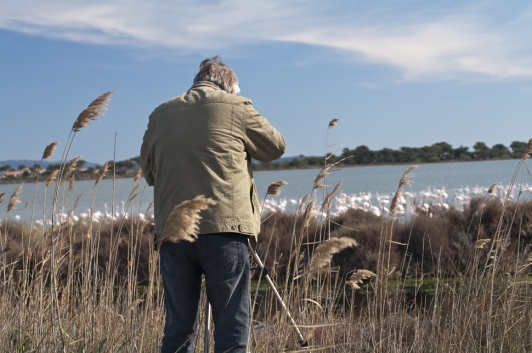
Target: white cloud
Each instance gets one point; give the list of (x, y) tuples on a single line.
[(421, 44)]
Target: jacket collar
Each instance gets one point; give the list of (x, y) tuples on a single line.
[(205, 83)]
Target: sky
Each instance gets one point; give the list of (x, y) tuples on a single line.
[(396, 73)]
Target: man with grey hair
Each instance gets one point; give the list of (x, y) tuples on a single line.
[(201, 143)]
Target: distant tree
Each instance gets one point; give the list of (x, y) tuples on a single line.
[(481, 150), (499, 151), (22, 166), (443, 149), (408, 154), (363, 155), (81, 163), (52, 167), (518, 148), (461, 153), (5, 168)]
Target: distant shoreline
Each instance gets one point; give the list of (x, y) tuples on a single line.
[(31, 180)]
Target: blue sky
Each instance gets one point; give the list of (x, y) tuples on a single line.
[(397, 73)]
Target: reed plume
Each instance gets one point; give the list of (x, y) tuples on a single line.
[(71, 183), (330, 195), (275, 188), (528, 150), (14, 200), (148, 209), (490, 190), (324, 252), (76, 203), (133, 192), (138, 174), (406, 179), (96, 108), (182, 224), (308, 214), (102, 173), (481, 243), (324, 172), (302, 202), (358, 278), (51, 178), (50, 150), (2, 197), (333, 122), (317, 180), (70, 167)]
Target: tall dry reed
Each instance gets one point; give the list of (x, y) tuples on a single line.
[(456, 281)]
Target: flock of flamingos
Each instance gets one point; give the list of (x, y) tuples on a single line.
[(429, 201)]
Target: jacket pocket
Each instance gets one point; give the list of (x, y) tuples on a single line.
[(253, 197)]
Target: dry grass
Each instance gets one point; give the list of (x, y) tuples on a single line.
[(275, 188), (456, 281), (14, 200), (183, 222), (322, 255), (49, 150)]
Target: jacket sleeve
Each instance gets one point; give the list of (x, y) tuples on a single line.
[(147, 161), (262, 141)]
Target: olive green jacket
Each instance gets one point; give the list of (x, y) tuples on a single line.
[(201, 143)]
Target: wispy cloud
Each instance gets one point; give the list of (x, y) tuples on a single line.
[(421, 42)]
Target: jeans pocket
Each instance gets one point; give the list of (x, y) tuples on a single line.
[(223, 256)]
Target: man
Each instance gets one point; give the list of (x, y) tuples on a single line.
[(201, 143)]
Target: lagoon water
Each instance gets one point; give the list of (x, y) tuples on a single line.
[(356, 180)]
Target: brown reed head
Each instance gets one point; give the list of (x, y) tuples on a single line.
[(490, 190), (14, 200), (302, 201), (323, 253), (50, 150), (325, 204), (333, 122), (308, 214), (138, 174), (71, 167), (183, 222), (358, 278), (71, 183), (405, 180), (133, 193), (102, 173), (275, 188), (317, 179), (2, 197), (96, 108), (481, 243), (51, 178)]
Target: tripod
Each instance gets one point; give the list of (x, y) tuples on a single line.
[(206, 336)]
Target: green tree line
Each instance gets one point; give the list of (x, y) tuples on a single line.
[(438, 152)]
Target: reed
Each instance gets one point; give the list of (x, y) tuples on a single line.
[(183, 222), (455, 281)]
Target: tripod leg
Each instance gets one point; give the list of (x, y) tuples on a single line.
[(279, 299), (206, 336)]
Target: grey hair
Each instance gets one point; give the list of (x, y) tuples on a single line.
[(215, 71)]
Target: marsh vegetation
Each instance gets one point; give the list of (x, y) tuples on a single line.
[(352, 282)]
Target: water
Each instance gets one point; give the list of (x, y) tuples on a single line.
[(375, 179)]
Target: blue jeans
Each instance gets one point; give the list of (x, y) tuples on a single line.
[(224, 260)]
